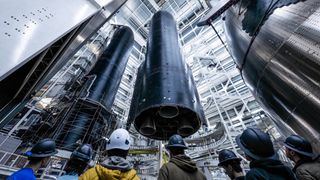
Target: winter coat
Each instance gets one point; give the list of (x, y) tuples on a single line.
[(180, 167), (269, 170), (308, 170), (113, 168), (22, 174)]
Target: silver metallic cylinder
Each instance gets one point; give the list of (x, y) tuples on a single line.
[(282, 66)]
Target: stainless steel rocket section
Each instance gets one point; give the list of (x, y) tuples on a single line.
[(282, 66), (165, 100)]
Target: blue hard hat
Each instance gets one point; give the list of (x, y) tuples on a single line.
[(226, 156), (299, 145), (176, 141), (82, 153), (256, 144), (44, 148)]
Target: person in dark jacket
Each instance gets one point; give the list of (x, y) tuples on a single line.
[(231, 164), (38, 157), (300, 152), (79, 160), (180, 166), (264, 164)]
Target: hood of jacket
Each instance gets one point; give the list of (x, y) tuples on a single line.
[(112, 174), (117, 163), (274, 167), (184, 162)]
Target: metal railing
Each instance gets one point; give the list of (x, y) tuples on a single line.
[(10, 162)]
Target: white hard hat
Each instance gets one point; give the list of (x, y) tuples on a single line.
[(119, 139)]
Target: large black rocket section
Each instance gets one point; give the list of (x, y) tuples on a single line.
[(111, 66), (165, 100), (88, 117)]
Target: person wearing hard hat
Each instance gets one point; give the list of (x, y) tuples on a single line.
[(79, 160), (264, 163), (231, 164), (180, 166), (38, 157), (115, 166), (300, 152)]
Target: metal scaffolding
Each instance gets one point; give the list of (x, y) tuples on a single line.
[(101, 123), (228, 103)]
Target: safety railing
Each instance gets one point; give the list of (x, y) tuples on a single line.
[(11, 160)]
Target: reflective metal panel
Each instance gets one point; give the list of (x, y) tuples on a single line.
[(29, 27), (282, 67)]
